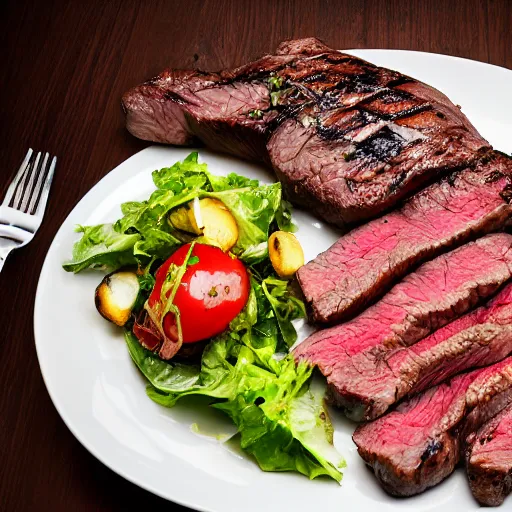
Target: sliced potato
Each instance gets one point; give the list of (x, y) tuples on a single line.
[(285, 253), (116, 295)]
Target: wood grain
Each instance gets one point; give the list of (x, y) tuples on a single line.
[(64, 68)]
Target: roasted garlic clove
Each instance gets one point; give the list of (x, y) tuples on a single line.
[(285, 253), (116, 295)]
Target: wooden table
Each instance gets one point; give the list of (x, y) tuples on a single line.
[(64, 68)]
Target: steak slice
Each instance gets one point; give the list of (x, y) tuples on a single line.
[(344, 136), (489, 460), (437, 293), (376, 379), (362, 265), (419, 444)]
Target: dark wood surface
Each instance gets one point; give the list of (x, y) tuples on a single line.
[(64, 67)]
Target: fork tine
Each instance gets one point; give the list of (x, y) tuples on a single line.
[(37, 188), (15, 181), (36, 169), (22, 190), (46, 189)]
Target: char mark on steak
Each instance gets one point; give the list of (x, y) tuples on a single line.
[(419, 444), (374, 380), (489, 460), (344, 136), (363, 264), (436, 294)]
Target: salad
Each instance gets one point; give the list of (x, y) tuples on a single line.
[(200, 283)]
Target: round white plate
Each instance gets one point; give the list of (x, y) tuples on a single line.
[(101, 396)]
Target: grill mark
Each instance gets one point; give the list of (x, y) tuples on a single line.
[(383, 145), (494, 176), (335, 133), (351, 184), (404, 113), (390, 96), (358, 83), (288, 112)]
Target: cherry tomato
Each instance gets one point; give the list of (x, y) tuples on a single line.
[(212, 292)]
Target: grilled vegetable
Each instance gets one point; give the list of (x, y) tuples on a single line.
[(285, 253), (210, 218), (116, 295), (180, 219)]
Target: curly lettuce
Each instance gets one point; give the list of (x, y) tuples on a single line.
[(144, 233)]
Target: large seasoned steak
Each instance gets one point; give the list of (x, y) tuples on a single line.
[(345, 137)]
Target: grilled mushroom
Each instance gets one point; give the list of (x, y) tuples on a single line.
[(285, 253)]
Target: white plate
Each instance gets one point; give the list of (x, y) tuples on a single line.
[(101, 396)]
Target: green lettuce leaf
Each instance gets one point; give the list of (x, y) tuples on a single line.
[(285, 425), (277, 407), (286, 307), (284, 217), (281, 418), (103, 247), (145, 223), (231, 181), (254, 210)]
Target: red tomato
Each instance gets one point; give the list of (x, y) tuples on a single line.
[(212, 292)]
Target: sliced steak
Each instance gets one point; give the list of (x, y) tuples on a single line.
[(419, 444), (362, 265), (374, 380), (345, 137), (437, 293), (489, 460)]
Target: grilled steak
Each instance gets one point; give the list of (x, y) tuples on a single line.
[(489, 460), (419, 443), (375, 379), (437, 293), (363, 264), (345, 137)]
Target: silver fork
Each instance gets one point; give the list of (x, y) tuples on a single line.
[(24, 203)]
